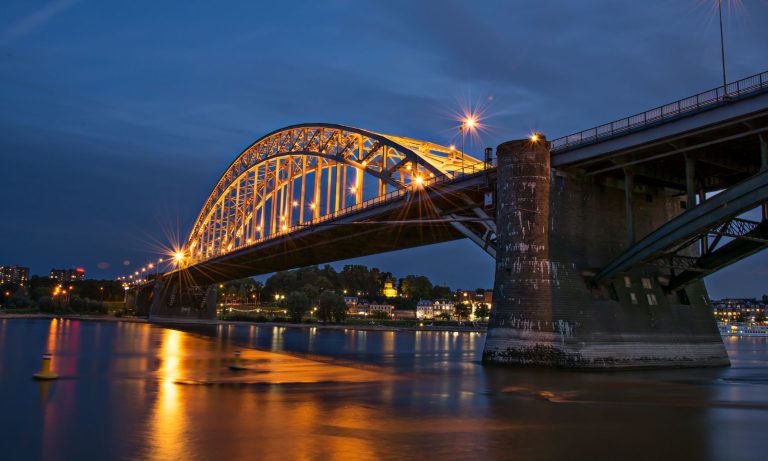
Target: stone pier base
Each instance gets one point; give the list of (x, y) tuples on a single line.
[(555, 230), (174, 298)]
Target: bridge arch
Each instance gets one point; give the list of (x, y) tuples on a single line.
[(302, 173)]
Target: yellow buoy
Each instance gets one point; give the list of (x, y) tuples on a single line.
[(237, 365), (46, 372)]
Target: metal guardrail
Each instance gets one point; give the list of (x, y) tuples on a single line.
[(708, 99)]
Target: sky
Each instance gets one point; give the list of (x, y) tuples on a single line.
[(117, 118)]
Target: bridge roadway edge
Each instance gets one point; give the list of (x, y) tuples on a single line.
[(554, 230)]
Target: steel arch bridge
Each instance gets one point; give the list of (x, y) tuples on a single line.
[(309, 173)]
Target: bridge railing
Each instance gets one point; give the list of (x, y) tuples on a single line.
[(680, 108), (468, 170)]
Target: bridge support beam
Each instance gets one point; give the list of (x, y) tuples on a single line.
[(175, 297), (764, 164), (551, 239), (629, 204)]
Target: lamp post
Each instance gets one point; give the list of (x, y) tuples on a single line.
[(722, 47), (179, 258), (467, 124)]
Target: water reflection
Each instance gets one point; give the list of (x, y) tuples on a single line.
[(136, 391), (168, 421)]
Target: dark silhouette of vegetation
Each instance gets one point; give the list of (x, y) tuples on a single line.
[(482, 311), (379, 315), (331, 307), (462, 311), (297, 304)]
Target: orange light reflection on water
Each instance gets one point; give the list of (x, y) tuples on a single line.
[(168, 422)]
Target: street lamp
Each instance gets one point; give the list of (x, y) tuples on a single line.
[(722, 46), (468, 124)]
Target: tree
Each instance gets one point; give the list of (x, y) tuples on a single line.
[(331, 307), (441, 292), (312, 292), (297, 304), (462, 310), (379, 315), (482, 311), (415, 287), (77, 304), (16, 301), (280, 283), (45, 303)]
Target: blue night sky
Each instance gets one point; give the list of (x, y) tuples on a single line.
[(117, 118)]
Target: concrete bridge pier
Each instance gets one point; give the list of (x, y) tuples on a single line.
[(175, 297), (555, 229)]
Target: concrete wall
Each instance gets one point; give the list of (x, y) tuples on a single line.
[(555, 229)]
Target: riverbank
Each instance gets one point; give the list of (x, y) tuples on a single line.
[(86, 317), (169, 322)]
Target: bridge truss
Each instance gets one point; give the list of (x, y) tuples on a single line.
[(305, 174), (714, 225)]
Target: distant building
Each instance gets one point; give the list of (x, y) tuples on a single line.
[(14, 274), (67, 275), (442, 308), (427, 309), (739, 309), (364, 308), (389, 289), (371, 308), (350, 301)]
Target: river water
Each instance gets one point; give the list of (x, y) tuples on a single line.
[(136, 391)]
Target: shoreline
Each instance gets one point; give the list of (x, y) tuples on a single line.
[(170, 323)]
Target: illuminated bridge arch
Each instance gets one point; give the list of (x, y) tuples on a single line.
[(304, 173)]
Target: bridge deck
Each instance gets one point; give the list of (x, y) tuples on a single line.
[(744, 103)]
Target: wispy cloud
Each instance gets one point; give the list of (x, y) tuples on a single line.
[(35, 20)]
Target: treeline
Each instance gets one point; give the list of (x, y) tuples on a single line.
[(48, 295), (352, 280)]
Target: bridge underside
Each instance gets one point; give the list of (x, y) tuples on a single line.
[(420, 217)]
